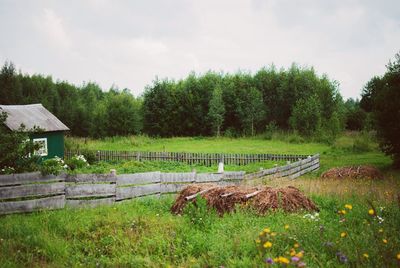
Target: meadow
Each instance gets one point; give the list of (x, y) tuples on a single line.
[(358, 224)]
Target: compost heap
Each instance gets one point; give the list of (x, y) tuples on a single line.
[(353, 172), (261, 200)]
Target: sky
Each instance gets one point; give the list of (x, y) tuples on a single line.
[(127, 44)]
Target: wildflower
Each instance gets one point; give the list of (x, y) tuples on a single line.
[(380, 230), (269, 260), (348, 206), (343, 212), (384, 241), (296, 245), (267, 230), (276, 259), (300, 254), (258, 241), (343, 234), (341, 257), (371, 212), (295, 259), (283, 260), (292, 252), (273, 234), (286, 226), (365, 255), (398, 256), (267, 244), (301, 264)]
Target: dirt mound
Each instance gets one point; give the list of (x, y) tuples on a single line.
[(353, 172), (226, 198)]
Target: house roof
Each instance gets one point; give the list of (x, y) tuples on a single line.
[(30, 116)]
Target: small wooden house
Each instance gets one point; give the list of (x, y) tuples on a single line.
[(51, 140)]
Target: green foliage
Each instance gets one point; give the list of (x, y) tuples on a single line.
[(216, 111), (270, 130), (16, 149), (199, 214), (306, 116), (77, 162), (382, 97), (52, 166)]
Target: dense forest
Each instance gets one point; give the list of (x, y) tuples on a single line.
[(199, 105)]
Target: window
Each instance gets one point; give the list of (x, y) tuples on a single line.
[(42, 151)]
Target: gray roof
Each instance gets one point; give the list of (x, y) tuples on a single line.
[(31, 115)]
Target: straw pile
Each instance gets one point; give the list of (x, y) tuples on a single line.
[(353, 172), (261, 200)]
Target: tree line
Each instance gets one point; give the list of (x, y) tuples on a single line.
[(199, 105)]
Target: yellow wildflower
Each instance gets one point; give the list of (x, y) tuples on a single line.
[(384, 241), (258, 241), (273, 234), (267, 244), (292, 252), (380, 230), (286, 226), (262, 233), (296, 245), (343, 211), (343, 234), (398, 256), (371, 212), (283, 260), (267, 230), (300, 254), (366, 255), (276, 259), (348, 206)]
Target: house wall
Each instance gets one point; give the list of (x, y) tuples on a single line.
[(55, 143)]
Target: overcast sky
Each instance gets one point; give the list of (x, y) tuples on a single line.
[(129, 43)]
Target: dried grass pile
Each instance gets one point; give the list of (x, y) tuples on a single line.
[(353, 172), (261, 200)]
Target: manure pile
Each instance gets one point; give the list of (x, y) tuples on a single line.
[(260, 199), (353, 172)]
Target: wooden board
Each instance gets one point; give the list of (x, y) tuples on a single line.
[(54, 202), (89, 190), (178, 177), (304, 171), (134, 191), (91, 178), (209, 177), (89, 203), (32, 190), (172, 187), (25, 178), (139, 178), (234, 175)]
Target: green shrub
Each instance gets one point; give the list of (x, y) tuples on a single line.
[(52, 166), (270, 130), (90, 156), (77, 161)]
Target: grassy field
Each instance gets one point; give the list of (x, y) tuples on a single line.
[(143, 232)]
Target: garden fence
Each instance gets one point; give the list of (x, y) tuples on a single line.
[(31, 191), (207, 159)]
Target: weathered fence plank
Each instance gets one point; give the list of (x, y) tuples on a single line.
[(130, 192), (32, 190), (91, 178), (209, 177), (178, 177), (89, 203), (24, 178), (139, 178), (172, 188), (234, 175), (89, 190), (48, 203)]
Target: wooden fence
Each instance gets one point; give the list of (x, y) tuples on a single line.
[(207, 159), (31, 191)]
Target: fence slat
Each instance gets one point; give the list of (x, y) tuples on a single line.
[(135, 191), (139, 178), (25, 178), (178, 177), (32, 190), (48, 203), (89, 203), (89, 190), (91, 178)]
